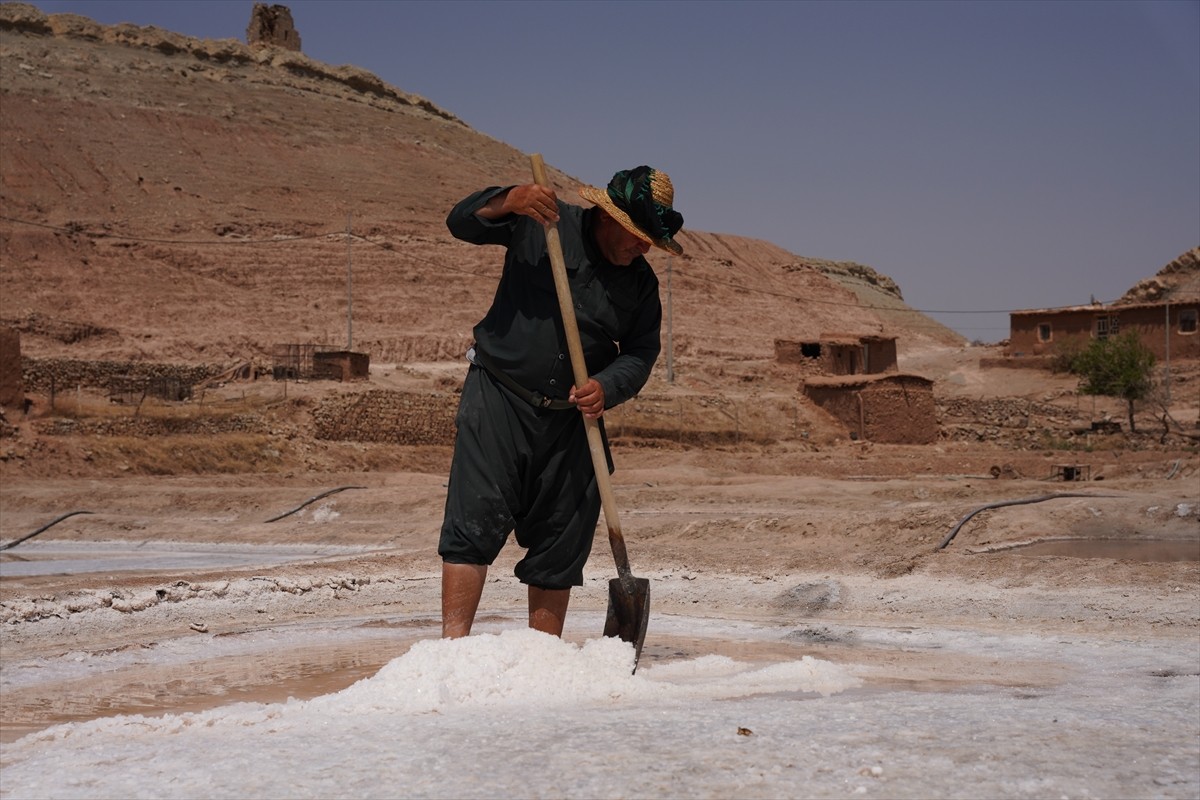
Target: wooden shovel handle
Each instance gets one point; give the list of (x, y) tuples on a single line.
[(575, 348)]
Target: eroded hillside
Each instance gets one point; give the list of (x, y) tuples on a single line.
[(170, 198)]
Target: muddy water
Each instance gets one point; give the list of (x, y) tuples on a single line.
[(269, 676)]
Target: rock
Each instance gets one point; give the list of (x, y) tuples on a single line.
[(23, 17)]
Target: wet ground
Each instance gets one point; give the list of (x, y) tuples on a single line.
[(927, 712), (1120, 549), (173, 648)]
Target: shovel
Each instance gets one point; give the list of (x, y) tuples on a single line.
[(628, 597)]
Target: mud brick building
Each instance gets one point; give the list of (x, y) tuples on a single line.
[(891, 408), (1166, 329)]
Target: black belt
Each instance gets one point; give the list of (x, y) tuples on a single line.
[(535, 399)]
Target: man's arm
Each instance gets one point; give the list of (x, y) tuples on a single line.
[(639, 349), (483, 217), (530, 200)]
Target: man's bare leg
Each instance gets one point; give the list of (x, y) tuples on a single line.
[(548, 609), (462, 586)]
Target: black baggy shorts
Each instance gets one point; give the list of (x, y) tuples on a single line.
[(523, 469)]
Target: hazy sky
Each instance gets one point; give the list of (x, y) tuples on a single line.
[(988, 156)]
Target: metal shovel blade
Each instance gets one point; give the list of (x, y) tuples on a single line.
[(629, 612)]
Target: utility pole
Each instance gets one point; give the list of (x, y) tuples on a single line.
[(349, 291), (1167, 350), (670, 339)]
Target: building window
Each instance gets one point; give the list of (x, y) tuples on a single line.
[(1043, 332), (1187, 320), (1107, 326)]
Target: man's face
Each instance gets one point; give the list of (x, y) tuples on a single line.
[(617, 245)]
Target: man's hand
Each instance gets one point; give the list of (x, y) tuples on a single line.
[(530, 200), (589, 398)]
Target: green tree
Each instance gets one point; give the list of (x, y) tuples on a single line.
[(1119, 366)]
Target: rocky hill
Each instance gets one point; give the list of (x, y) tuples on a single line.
[(178, 199), (1178, 280)]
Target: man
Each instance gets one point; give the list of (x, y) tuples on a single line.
[(521, 460)]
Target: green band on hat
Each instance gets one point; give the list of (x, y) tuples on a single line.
[(632, 191)]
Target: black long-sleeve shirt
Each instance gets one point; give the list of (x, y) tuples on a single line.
[(617, 308)]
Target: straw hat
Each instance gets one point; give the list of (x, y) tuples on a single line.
[(640, 199)]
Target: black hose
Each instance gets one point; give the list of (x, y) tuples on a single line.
[(39, 530), (57, 520), (313, 500), (1003, 503)]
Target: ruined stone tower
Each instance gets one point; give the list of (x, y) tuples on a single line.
[(272, 25)]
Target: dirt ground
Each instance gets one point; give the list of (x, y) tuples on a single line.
[(841, 533)]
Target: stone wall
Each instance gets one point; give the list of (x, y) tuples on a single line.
[(387, 417), (1009, 362), (144, 427), (700, 419), (394, 417), (12, 389), (46, 375), (1006, 420)]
